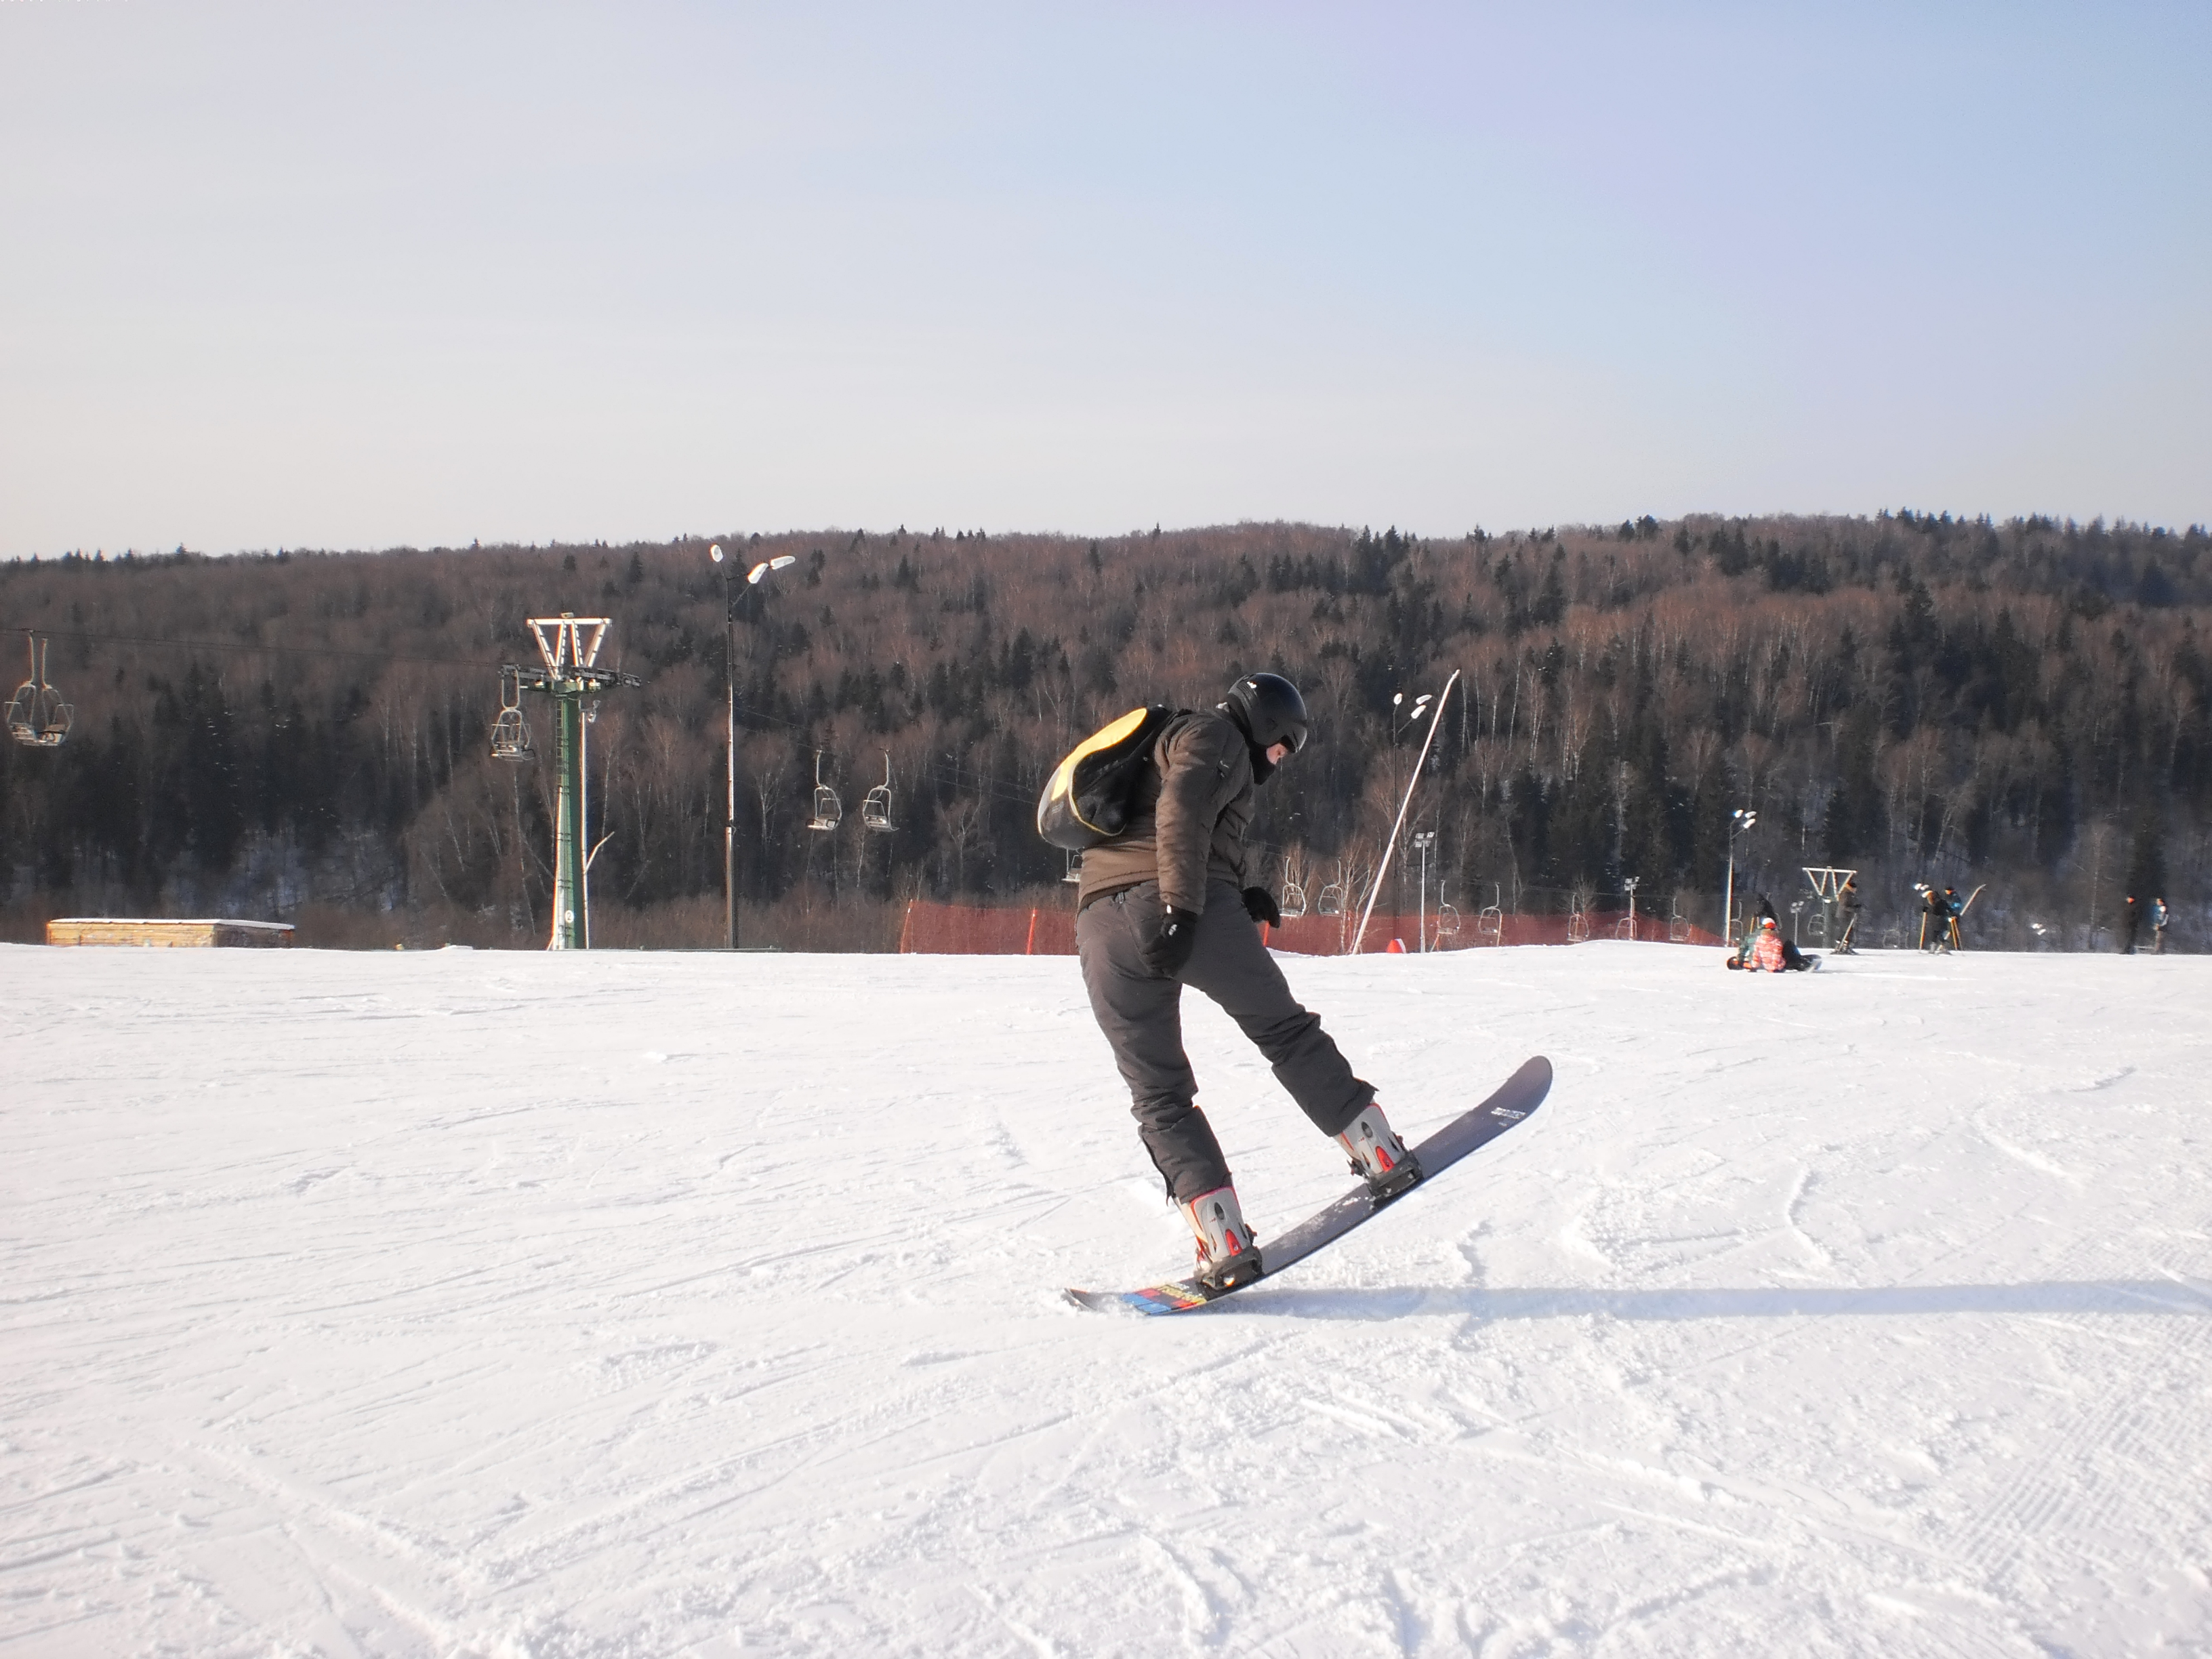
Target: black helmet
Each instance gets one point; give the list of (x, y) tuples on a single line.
[(1270, 709)]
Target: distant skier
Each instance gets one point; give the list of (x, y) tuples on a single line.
[(1847, 906), (2158, 921), (1954, 907), (1171, 902), (2132, 922), (1935, 921)]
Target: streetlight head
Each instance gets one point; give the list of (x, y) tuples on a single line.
[(1397, 697), (1423, 698), (715, 552)]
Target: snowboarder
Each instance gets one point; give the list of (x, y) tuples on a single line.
[(1847, 906), (1171, 902), (1767, 951), (2158, 921), (2134, 920)]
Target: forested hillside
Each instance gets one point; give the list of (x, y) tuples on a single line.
[(304, 735)]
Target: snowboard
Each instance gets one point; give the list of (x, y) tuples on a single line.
[(1515, 1098)]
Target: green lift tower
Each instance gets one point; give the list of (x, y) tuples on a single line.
[(568, 646)]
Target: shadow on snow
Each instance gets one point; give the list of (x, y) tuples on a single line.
[(2108, 1296)]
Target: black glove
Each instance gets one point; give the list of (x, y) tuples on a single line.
[(1168, 951), (1260, 905)]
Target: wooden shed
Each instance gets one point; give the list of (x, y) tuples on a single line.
[(122, 930)]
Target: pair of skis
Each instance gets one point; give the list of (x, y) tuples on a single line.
[(1514, 1100)]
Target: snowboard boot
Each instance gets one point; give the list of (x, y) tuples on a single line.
[(1378, 1157), (1226, 1253)]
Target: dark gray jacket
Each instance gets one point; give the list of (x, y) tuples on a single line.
[(1193, 810)]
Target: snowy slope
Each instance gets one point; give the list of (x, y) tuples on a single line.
[(614, 1304)]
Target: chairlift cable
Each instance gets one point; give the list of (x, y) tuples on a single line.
[(245, 644)]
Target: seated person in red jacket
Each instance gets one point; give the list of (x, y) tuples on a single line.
[(1766, 952)]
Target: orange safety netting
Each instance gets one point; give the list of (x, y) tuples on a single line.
[(967, 930), (930, 929)]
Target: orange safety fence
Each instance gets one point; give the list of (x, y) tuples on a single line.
[(1328, 936), (966, 930), (929, 929)]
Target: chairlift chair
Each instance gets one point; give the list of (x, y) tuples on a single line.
[(1331, 902), (828, 811), (510, 733), (875, 809), (1293, 901), (1489, 920), (37, 716), (1075, 866), (1447, 920)]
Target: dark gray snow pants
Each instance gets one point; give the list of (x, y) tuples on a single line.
[(1141, 1014)]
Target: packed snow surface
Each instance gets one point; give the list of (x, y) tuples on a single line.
[(623, 1305)]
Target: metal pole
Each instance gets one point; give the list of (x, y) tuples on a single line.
[(567, 827), (1426, 839), (1390, 845), (584, 849), (730, 767)]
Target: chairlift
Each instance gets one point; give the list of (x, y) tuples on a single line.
[(510, 733), (37, 716), (1293, 901), (1447, 920), (1578, 926), (876, 809), (1489, 920), (1075, 866), (1331, 902), (828, 811)]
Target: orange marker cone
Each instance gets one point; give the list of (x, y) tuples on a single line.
[(1395, 948)]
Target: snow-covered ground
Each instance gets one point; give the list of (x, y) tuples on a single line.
[(613, 1304)]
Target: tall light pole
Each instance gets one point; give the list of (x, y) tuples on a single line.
[(1421, 706), (730, 759), (1741, 821), (1425, 839)]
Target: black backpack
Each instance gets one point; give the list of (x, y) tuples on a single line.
[(1092, 793)]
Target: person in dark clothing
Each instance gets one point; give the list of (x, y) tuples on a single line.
[(1954, 907), (1171, 902), (2158, 921), (1847, 907), (2132, 922), (1935, 921)]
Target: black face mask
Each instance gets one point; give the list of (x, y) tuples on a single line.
[(1262, 768)]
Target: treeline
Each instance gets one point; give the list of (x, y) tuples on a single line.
[(304, 735)]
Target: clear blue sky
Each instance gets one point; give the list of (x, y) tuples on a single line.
[(306, 275)]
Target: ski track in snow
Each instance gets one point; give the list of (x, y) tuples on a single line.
[(569, 1306)]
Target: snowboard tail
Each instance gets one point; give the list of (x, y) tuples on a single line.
[(1513, 1101)]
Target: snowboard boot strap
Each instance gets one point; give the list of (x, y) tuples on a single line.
[(1227, 1254), (1378, 1157)]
